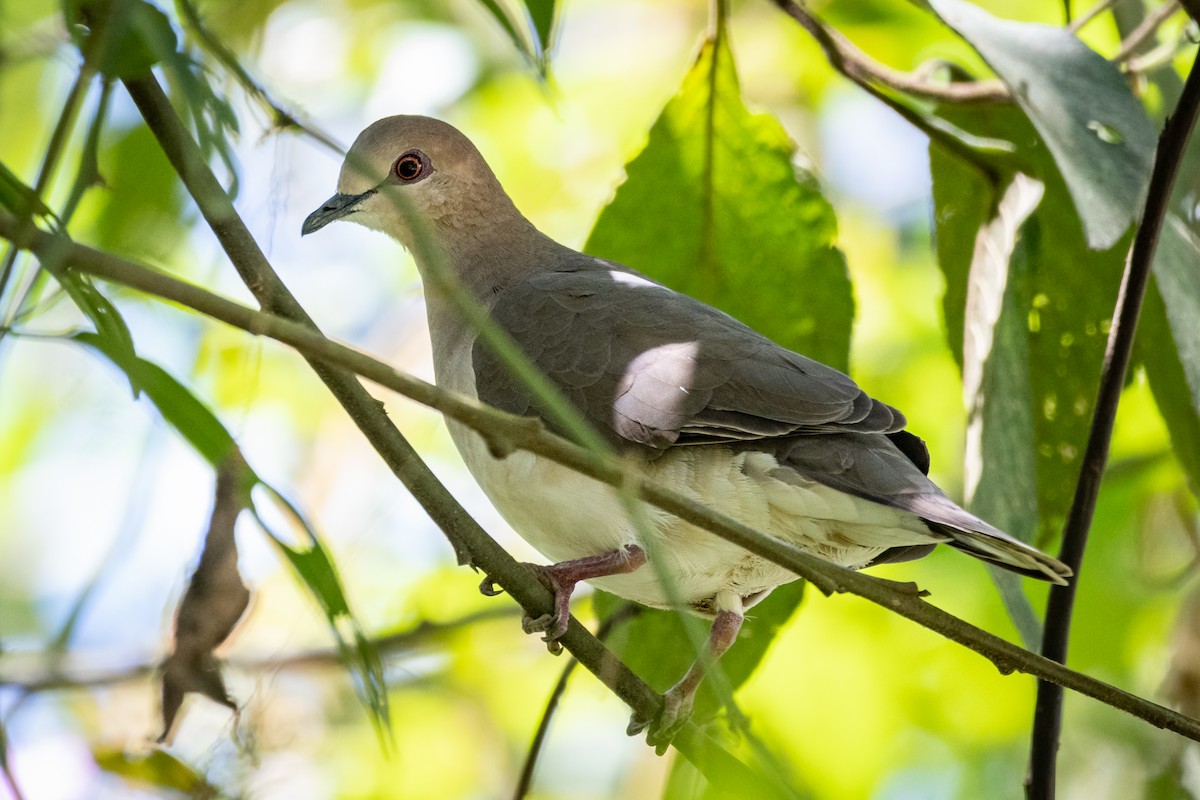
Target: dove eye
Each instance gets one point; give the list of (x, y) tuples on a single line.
[(411, 167)]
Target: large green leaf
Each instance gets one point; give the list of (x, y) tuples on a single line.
[(714, 207), (1036, 384), (1082, 107)]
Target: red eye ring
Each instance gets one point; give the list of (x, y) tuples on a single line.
[(409, 167)]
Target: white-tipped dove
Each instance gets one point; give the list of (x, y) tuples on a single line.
[(707, 406)]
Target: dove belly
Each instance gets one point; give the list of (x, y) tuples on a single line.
[(566, 515)]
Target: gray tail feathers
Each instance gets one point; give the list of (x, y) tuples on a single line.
[(1005, 551)]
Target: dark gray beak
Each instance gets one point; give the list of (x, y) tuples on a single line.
[(333, 209)]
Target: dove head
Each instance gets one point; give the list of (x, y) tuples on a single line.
[(422, 182)]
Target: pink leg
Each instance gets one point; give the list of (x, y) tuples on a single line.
[(561, 578), (678, 700)]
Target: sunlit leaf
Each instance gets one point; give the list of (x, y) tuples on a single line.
[(158, 769), (140, 207), (714, 207), (1082, 107)]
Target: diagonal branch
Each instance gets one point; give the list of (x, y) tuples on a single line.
[(1172, 144), (506, 433), (470, 541), (868, 73)]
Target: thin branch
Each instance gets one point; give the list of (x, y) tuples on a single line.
[(396, 644), (50, 161), (1076, 25), (471, 543), (1145, 31), (506, 433), (281, 118), (525, 780), (879, 82), (856, 65), (1172, 145)]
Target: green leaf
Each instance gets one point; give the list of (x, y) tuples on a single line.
[(158, 769), (1169, 341), (121, 38), (182, 410), (141, 205), (319, 575), (530, 34), (1098, 133), (655, 645), (17, 197), (542, 14), (714, 207), (1045, 322), (110, 325)]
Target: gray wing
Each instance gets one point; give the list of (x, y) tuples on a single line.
[(652, 368)]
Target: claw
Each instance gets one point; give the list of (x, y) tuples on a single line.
[(560, 579), (680, 698)]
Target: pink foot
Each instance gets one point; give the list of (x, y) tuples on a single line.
[(561, 579)]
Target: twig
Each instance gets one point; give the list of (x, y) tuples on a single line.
[(281, 118), (876, 80), (471, 543), (1172, 144), (54, 679), (1145, 30), (856, 65), (54, 150), (525, 780), (1076, 25), (506, 432)]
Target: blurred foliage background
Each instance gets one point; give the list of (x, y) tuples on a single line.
[(103, 507)]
